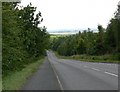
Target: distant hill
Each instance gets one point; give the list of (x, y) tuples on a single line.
[(67, 31)]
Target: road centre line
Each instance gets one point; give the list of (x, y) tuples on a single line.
[(95, 69), (111, 74), (104, 72), (100, 70)]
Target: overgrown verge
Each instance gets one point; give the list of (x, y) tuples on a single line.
[(89, 58), (15, 80), (0, 85)]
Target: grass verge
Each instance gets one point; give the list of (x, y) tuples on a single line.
[(88, 58), (0, 85), (16, 80)]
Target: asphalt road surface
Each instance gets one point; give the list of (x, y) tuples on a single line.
[(62, 74), (43, 79)]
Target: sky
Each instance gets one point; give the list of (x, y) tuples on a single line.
[(74, 14)]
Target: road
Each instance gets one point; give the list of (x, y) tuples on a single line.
[(43, 79), (75, 75)]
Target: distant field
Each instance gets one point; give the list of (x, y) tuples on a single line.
[(57, 35)]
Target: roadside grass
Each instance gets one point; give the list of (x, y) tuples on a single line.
[(17, 79), (0, 85), (88, 58)]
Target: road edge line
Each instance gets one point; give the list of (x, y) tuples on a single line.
[(61, 87)]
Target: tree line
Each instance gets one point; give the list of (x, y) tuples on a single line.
[(105, 41), (23, 42)]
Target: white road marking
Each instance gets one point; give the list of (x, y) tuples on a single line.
[(95, 69), (111, 74), (104, 72), (57, 78)]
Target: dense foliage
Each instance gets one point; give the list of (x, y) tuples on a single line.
[(23, 41), (105, 41)]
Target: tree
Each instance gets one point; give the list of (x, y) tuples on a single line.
[(112, 33), (23, 41)]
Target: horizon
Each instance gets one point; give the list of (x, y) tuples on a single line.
[(64, 30), (69, 31)]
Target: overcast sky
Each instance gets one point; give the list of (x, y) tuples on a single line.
[(74, 14)]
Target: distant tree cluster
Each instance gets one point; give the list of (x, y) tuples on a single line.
[(105, 41), (23, 41)]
